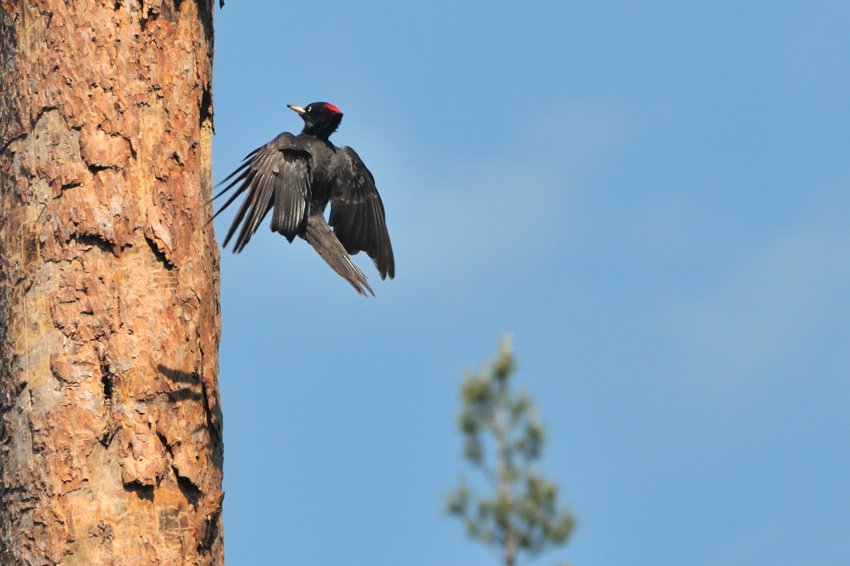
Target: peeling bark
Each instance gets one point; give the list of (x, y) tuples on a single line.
[(110, 422)]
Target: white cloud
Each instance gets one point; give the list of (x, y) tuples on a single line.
[(768, 306), (489, 213)]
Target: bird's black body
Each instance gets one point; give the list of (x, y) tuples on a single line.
[(296, 177)]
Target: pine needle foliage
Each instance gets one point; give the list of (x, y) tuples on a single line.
[(503, 438)]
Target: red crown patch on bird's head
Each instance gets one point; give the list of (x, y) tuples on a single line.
[(332, 108)]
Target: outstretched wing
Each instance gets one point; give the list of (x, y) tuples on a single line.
[(357, 213), (277, 176)]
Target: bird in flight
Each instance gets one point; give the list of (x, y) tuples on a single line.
[(296, 177)]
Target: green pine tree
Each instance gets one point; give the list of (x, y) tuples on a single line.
[(504, 437)]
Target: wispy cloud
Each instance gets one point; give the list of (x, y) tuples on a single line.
[(516, 204), (772, 301)]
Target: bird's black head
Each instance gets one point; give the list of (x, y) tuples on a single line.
[(321, 119)]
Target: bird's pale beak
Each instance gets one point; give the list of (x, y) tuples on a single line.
[(299, 109)]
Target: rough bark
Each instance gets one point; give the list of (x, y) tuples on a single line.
[(110, 423)]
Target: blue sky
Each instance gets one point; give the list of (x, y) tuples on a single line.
[(651, 197)]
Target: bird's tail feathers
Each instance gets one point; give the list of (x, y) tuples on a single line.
[(325, 242)]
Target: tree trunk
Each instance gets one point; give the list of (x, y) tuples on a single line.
[(110, 423)]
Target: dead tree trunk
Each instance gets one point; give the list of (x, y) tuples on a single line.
[(110, 423)]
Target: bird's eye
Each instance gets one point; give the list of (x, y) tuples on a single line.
[(309, 109)]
